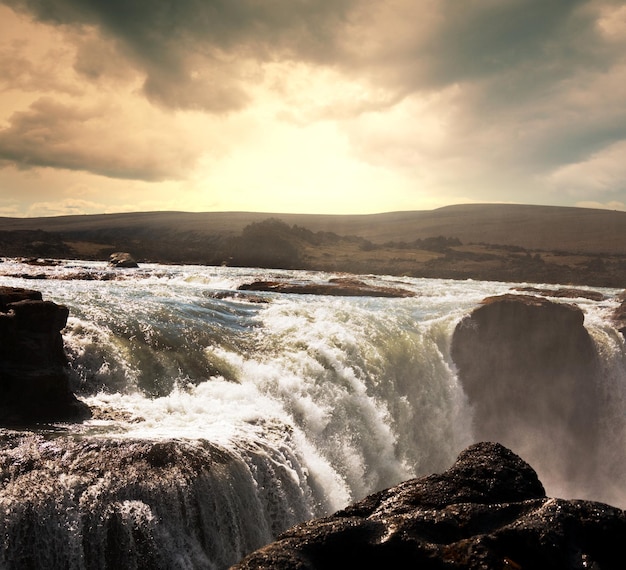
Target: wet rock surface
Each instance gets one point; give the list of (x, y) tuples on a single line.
[(69, 502), (34, 385), (346, 287), (619, 315), (531, 372), (122, 259), (489, 510), (564, 292)]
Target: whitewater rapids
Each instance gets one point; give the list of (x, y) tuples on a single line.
[(306, 403)]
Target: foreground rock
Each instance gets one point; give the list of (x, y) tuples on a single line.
[(122, 259), (489, 510), (531, 373), (34, 384), (343, 287)]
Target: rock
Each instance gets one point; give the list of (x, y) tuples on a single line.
[(34, 385), (530, 371), (107, 503), (33, 276), (10, 295), (564, 292), (240, 297), (122, 259), (41, 262), (489, 510), (619, 315), (345, 287)]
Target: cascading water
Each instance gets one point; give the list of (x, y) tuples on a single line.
[(222, 418)]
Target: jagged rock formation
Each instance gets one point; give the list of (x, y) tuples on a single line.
[(34, 384), (489, 510), (530, 370), (122, 259)]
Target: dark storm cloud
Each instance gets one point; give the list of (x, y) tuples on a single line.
[(536, 80), (516, 48), (531, 72), (478, 39), (191, 50)]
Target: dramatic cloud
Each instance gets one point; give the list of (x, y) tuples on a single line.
[(434, 101), (194, 54), (50, 134), (602, 175)]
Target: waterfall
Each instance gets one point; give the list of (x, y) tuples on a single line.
[(220, 419), (71, 502)]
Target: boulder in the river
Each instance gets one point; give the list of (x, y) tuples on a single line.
[(122, 259), (339, 286), (489, 510), (34, 384), (530, 371)]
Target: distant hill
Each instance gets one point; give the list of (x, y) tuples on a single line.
[(541, 244), (531, 227)]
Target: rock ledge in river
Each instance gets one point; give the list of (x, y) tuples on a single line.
[(564, 292), (34, 384), (341, 287), (619, 315), (489, 510)]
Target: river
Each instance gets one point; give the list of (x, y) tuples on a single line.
[(302, 403)]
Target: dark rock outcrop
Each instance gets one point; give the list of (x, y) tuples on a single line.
[(122, 259), (34, 384), (489, 510), (343, 287), (530, 370)]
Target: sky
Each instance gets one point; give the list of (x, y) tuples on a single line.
[(310, 106)]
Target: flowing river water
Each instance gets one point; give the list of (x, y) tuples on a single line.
[(300, 404)]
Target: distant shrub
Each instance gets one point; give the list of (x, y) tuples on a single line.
[(269, 243)]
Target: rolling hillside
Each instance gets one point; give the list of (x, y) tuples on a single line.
[(530, 227), (479, 241)]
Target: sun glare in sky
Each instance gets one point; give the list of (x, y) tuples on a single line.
[(352, 106)]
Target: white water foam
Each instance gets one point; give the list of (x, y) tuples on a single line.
[(335, 397)]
